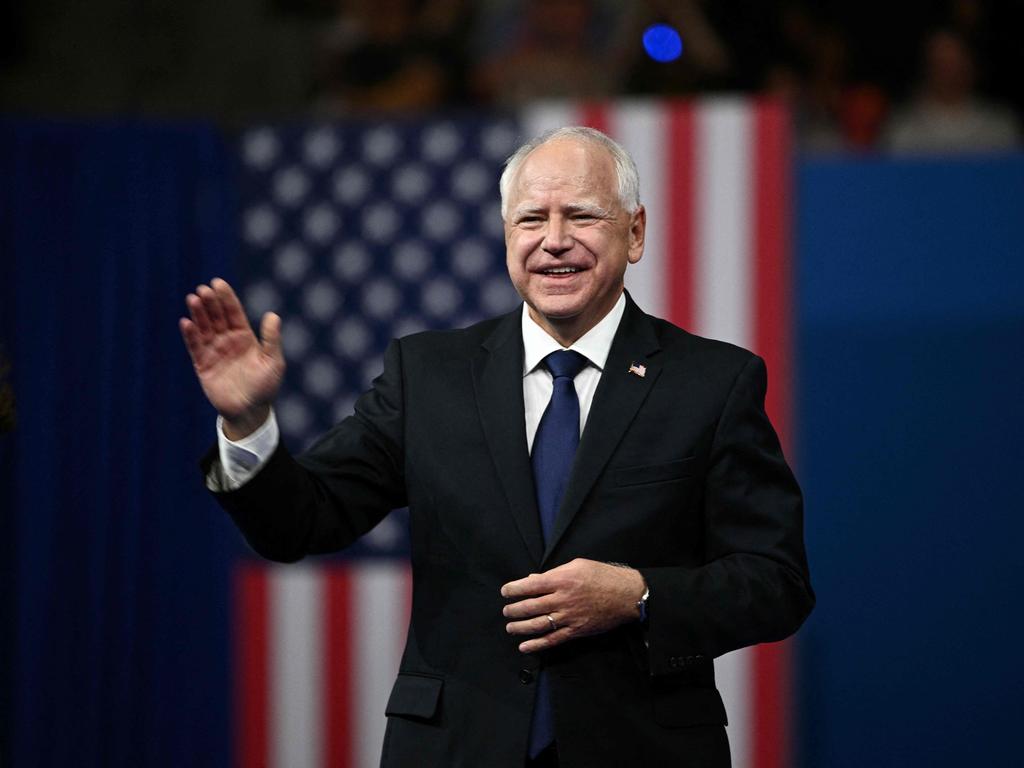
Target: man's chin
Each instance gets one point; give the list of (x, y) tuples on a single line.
[(556, 311), (565, 303)]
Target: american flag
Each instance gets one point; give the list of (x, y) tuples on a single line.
[(363, 231)]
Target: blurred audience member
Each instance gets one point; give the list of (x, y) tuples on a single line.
[(862, 115), (810, 76), (393, 55), (553, 51), (947, 113), (832, 110)]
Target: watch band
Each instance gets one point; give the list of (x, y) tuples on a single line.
[(641, 605)]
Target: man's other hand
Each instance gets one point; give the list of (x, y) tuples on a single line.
[(583, 597), (240, 375)]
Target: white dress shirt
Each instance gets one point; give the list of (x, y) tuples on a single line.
[(243, 458), (538, 382)]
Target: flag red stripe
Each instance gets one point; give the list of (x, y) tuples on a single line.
[(773, 274), (681, 212), (252, 654), (772, 302), (771, 735), (595, 115), (338, 664)]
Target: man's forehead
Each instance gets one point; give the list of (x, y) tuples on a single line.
[(544, 181), (583, 169), (567, 157)]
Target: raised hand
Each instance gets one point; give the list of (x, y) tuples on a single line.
[(239, 374)]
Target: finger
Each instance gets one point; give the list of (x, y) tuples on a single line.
[(542, 583), (550, 640), (270, 333), (234, 314), (190, 333), (524, 609), (211, 303), (534, 584), (537, 625), (198, 313)]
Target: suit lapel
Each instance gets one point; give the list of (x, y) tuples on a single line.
[(498, 381), (616, 401)]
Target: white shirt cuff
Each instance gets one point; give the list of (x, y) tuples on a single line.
[(242, 459)]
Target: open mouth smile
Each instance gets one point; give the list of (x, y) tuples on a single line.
[(561, 271)]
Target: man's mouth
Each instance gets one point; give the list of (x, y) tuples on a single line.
[(561, 270)]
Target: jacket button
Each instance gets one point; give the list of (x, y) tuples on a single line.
[(525, 676)]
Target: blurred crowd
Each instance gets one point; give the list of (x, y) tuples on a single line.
[(914, 75), (911, 76)]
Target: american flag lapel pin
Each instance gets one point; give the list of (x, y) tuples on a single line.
[(638, 370)]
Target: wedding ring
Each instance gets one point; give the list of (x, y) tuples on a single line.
[(552, 622)]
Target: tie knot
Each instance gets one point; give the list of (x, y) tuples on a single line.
[(564, 363)]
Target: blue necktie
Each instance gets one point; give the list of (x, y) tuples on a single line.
[(554, 447)]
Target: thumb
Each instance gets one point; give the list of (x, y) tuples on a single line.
[(270, 333)]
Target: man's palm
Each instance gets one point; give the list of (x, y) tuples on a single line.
[(239, 374)]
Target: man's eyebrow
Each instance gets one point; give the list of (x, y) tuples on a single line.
[(591, 208), (581, 207), (524, 210)]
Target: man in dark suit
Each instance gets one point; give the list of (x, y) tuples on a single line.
[(568, 601)]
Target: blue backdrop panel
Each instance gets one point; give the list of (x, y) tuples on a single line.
[(118, 561), (911, 377)]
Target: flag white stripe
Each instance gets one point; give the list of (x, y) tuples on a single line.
[(546, 116), (724, 218), (734, 675), (296, 672), (723, 293), (378, 622), (641, 127)]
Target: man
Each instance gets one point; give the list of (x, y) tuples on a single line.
[(567, 601)]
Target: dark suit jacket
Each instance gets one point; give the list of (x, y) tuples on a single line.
[(678, 473)]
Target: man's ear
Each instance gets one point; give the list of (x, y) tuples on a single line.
[(637, 233)]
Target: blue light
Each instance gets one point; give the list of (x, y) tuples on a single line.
[(662, 42)]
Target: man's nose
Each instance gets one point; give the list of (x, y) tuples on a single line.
[(557, 237)]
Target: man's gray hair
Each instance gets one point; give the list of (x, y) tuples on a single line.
[(625, 169)]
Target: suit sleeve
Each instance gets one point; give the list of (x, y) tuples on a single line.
[(342, 487), (754, 585)]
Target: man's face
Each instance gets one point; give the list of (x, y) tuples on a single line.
[(567, 237)]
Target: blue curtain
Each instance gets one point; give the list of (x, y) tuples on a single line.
[(115, 562)]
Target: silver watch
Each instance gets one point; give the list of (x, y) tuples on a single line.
[(641, 605)]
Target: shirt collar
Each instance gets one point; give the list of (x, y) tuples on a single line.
[(594, 345)]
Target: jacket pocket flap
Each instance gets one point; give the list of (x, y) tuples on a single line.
[(654, 473), (414, 696), (686, 706)]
